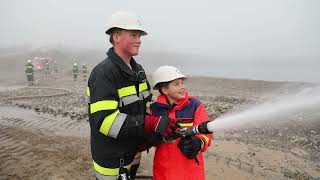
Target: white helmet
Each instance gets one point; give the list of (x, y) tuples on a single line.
[(29, 61), (125, 20), (166, 74)]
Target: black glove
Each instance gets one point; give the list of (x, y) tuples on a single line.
[(153, 138), (172, 133), (149, 140), (190, 146)]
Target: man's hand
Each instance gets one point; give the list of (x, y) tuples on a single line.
[(190, 146), (150, 139)]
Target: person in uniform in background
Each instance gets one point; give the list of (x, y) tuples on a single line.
[(55, 66), (75, 71), (29, 71), (84, 72), (47, 68)]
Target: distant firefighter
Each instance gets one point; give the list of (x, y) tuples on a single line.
[(75, 71), (29, 71), (55, 66), (84, 72), (47, 69)]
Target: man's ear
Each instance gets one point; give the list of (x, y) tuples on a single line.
[(116, 37)]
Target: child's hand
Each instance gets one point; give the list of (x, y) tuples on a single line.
[(190, 146)]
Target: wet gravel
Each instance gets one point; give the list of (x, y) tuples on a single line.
[(297, 136)]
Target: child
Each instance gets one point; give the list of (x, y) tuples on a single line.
[(182, 158)]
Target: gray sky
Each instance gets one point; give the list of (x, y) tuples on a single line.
[(237, 28)]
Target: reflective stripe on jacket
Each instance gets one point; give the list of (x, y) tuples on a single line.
[(117, 95), (169, 163), (84, 70), (29, 68), (75, 69)]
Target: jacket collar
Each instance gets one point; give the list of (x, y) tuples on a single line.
[(116, 59), (183, 102)]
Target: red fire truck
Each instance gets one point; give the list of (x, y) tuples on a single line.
[(40, 63)]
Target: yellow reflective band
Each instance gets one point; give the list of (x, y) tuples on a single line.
[(206, 139), (103, 105), (186, 124), (148, 104), (143, 86), (108, 171), (126, 91), (88, 91), (107, 122)]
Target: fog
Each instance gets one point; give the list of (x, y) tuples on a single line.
[(230, 30)]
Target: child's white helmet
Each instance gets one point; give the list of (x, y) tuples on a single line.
[(166, 74)]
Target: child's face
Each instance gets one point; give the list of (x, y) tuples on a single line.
[(175, 90)]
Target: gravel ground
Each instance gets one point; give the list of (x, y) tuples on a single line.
[(295, 138)]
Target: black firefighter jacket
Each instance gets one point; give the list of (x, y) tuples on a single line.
[(119, 100)]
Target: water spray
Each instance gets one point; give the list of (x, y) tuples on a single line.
[(306, 101)]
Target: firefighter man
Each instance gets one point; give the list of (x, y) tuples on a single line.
[(84, 72), (47, 69), (29, 70), (55, 66), (119, 100), (75, 71)]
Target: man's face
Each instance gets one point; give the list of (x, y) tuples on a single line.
[(128, 42)]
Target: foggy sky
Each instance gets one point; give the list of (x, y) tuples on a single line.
[(236, 28)]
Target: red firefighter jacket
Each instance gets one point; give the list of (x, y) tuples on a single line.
[(169, 162)]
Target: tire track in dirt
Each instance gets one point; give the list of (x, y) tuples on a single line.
[(42, 146), (23, 118), (34, 154), (12, 152)]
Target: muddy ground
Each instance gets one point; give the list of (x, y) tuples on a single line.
[(44, 133)]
